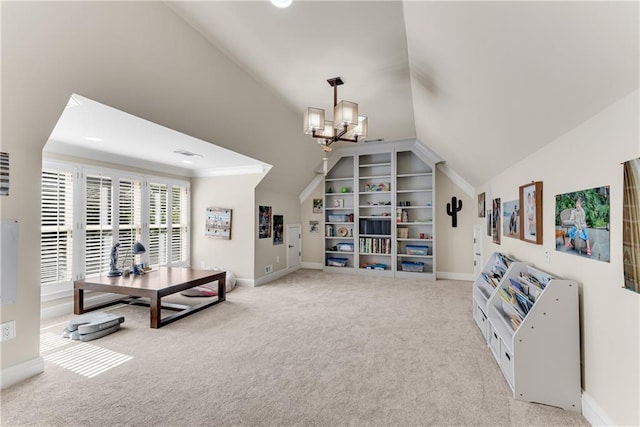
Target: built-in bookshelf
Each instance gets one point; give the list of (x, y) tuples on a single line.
[(339, 216), (375, 203), (414, 218), (365, 189), (530, 321)]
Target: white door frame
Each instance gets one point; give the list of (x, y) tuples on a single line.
[(477, 250), (291, 231)]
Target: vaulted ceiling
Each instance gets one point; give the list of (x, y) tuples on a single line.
[(483, 84)]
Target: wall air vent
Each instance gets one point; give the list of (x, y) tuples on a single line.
[(187, 153)]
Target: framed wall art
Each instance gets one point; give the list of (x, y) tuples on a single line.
[(264, 222), (278, 229), (317, 206), (495, 221), (481, 205), (531, 212), (218, 223), (631, 225), (582, 222), (511, 219)]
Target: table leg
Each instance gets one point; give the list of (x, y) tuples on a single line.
[(78, 301), (222, 288), (155, 306)]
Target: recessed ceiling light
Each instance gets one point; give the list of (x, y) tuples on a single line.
[(187, 162), (281, 3), (93, 138)]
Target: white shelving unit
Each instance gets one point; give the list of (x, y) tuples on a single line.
[(415, 227), (339, 213), (376, 180), (531, 325), (375, 202)]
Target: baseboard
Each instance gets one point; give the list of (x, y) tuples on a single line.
[(245, 282), (455, 276), (275, 275), (312, 265), (67, 306), (593, 413), (20, 372)]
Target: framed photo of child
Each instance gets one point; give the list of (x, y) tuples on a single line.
[(531, 212)]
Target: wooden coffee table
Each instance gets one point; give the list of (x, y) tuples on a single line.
[(154, 285)]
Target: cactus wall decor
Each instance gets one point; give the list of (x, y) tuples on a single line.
[(452, 210)]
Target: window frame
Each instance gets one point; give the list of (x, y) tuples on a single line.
[(51, 291)]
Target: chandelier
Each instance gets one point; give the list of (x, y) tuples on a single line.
[(346, 125)]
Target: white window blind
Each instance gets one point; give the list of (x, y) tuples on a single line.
[(179, 223), (56, 233), (158, 232), (99, 224), (129, 218)]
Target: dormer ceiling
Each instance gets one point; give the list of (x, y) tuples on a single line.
[(483, 84)]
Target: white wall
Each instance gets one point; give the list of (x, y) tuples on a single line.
[(236, 193), (454, 246), (586, 157), (266, 253), (138, 57), (312, 243)]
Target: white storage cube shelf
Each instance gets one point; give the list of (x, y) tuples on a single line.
[(539, 356)]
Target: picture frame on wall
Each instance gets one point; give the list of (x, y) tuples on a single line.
[(218, 223), (481, 205), (531, 212), (317, 206), (278, 229), (495, 220), (264, 222)]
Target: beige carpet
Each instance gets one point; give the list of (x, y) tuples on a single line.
[(309, 349)]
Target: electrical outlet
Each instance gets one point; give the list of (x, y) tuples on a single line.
[(8, 330), (278, 259), (547, 256), (268, 269)]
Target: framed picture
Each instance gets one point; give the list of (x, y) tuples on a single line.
[(481, 205), (631, 225), (264, 222), (489, 222), (531, 212), (338, 203), (511, 219), (495, 221), (218, 223), (317, 205), (278, 229), (582, 223), (314, 227)]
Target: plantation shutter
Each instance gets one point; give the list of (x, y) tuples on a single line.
[(56, 226), (99, 224), (158, 205), (130, 218), (179, 223)]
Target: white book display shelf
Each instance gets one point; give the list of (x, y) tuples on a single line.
[(530, 321)]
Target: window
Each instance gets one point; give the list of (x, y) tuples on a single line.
[(86, 211), (99, 225), (56, 232)]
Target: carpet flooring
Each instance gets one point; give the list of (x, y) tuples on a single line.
[(309, 349)]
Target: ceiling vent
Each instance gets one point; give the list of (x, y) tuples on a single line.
[(187, 153)]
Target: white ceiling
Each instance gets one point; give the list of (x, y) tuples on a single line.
[(483, 84), (132, 141)]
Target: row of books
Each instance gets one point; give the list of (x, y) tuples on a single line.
[(498, 270), (373, 245)]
